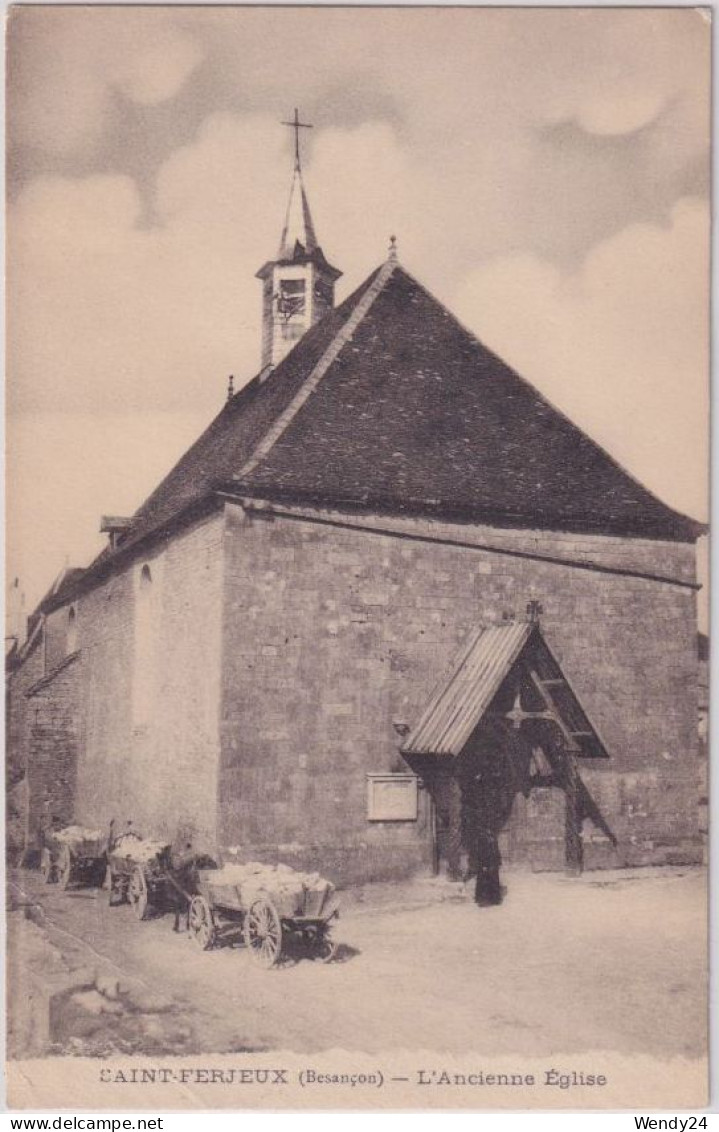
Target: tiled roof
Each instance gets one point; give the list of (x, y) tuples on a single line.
[(390, 404), (416, 414)]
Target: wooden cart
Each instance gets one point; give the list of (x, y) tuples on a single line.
[(131, 877), (268, 919), (69, 856)]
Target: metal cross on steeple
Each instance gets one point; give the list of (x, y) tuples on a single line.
[(296, 125)]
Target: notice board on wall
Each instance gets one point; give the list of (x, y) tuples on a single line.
[(391, 797)]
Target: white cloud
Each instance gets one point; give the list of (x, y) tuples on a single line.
[(105, 313), (66, 64), (158, 70), (621, 346), (365, 187), (67, 470)]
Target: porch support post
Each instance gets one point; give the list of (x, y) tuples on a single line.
[(574, 849), (454, 830)]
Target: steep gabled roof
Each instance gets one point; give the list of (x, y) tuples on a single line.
[(418, 415), (390, 404)]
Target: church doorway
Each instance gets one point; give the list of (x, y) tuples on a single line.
[(498, 747), (507, 801), (534, 836)]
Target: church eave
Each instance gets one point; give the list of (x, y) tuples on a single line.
[(678, 528), (108, 564)]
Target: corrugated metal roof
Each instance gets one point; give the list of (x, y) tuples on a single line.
[(458, 703)]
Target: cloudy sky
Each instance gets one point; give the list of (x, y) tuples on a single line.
[(545, 172)]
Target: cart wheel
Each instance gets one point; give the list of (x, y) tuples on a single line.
[(46, 868), (137, 893), (64, 867), (263, 933), (326, 947), (200, 923)]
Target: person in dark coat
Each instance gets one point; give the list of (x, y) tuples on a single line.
[(488, 790), (487, 887)]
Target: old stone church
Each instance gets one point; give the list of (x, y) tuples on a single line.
[(387, 562)]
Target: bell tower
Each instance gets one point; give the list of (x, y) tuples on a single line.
[(298, 287)]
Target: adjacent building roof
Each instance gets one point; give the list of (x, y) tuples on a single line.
[(461, 699), (50, 677), (61, 589), (389, 404)]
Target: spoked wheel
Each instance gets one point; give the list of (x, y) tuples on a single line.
[(46, 867), (326, 946), (64, 867), (200, 923), (263, 933), (137, 893)]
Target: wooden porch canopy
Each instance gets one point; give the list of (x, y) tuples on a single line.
[(515, 652)]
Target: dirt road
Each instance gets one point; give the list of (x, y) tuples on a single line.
[(608, 961)]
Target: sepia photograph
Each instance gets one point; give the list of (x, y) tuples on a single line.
[(357, 616)]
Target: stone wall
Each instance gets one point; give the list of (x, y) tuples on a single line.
[(159, 773), (305, 705), (332, 635), (54, 740), (58, 642), (287, 654), (17, 715)]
